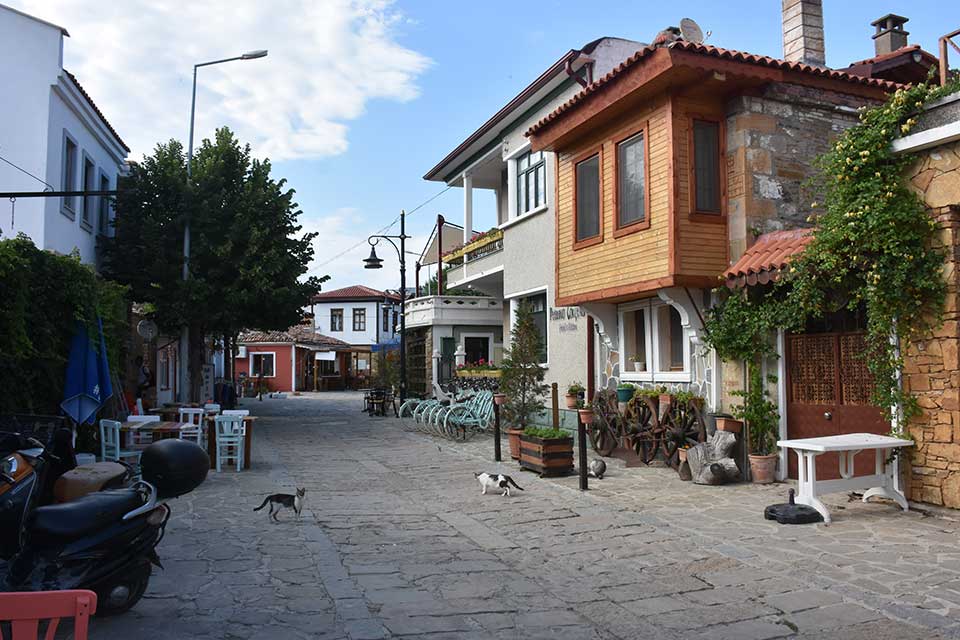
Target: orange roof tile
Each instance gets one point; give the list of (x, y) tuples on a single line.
[(762, 262)]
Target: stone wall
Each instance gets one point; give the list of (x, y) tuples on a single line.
[(931, 366)]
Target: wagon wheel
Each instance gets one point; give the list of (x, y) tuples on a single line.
[(605, 431), (682, 427), (642, 428)]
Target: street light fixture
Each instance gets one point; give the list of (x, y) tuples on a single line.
[(374, 262), (185, 330)]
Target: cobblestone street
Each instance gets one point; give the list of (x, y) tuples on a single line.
[(396, 541)]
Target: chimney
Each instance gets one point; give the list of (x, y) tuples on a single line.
[(803, 32), (890, 35)]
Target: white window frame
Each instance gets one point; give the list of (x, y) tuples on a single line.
[(651, 307), (353, 319), (340, 329), (490, 344), (514, 299), (68, 204), (513, 204), (88, 220), (273, 354)]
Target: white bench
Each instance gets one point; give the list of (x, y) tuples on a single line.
[(885, 480)]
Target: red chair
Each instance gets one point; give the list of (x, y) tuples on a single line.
[(24, 611)]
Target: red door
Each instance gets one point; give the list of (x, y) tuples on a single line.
[(828, 393)]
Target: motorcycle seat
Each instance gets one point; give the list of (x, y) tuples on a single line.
[(72, 520)]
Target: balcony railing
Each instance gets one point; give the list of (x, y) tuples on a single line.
[(480, 247), (453, 310)]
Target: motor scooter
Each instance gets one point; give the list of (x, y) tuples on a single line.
[(104, 541)]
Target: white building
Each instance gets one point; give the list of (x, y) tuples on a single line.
[(514, 261), (364, 318), (53, 130)]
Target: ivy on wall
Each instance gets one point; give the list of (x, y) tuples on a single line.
[(871, 249), (44, 295)]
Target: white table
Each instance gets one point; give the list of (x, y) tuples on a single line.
[(885, 480)]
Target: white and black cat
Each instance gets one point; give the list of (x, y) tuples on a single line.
[(282, 500), (496, 481)]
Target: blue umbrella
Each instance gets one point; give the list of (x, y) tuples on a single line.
[(88, 383)]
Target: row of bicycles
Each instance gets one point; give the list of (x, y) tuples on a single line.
[(453, 414)]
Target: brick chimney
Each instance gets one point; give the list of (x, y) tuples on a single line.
[(803, 32), (890, 35)]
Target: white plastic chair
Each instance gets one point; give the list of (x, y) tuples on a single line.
[(230, 439), (192, 427), (110, 448)]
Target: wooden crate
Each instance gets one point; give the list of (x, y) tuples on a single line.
[(548, 457)]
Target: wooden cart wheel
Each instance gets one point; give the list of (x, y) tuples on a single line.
[(642, 428), (606, 427), (682, 427)]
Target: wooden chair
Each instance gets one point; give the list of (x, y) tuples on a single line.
[(230, 437), (193, 425), (110, 448), (24, 611)]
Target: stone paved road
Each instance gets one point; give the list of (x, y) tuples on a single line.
[(397, 542)]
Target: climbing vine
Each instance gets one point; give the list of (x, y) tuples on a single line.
[(872, 249)]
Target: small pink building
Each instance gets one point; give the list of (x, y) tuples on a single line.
[(297, 359)]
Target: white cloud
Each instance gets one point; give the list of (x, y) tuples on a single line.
[(327, 60)]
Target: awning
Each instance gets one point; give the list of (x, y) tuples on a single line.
[(769, 254)]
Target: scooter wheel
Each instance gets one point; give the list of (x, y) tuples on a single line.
[(122, 594)]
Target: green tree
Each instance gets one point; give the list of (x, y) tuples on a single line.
[(522, 377), (248, 257)]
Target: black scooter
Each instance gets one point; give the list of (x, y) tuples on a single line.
[(104, 541)]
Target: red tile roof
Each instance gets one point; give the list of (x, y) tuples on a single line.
[(714, 52), (769, 254), (300, 334), (97, 110), (355, 292)]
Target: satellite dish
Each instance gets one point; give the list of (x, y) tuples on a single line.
[(691, 31), (147, 329)]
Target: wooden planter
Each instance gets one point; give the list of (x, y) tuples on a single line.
[(729, 424), (487, 373), (513, 437), (547, 456)]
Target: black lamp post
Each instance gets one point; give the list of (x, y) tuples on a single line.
[(373, 262)]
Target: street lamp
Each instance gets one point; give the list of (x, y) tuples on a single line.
[(373, 262), (185, 330)]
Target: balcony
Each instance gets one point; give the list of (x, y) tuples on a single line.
[(478, 263), (453, 310)]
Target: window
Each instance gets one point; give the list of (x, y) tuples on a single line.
[(69, 172), (631, 181), (670, 329), (359, 319), (386, 319), (538, 309), (531, 182), (336, 319), (587, 210), (262, 363), (103, 216), (89, 184), (706, 166), (327, 367)]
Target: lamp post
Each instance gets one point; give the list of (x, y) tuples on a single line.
[(373, 262), (185, 330)]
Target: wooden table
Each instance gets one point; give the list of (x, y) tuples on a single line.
[(212, 440), (166, 429), (885, 480)]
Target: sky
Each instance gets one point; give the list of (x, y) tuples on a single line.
[(358, 100)]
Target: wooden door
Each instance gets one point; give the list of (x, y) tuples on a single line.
[(828, 393)]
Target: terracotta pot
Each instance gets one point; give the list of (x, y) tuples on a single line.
[(500, 399), (683, 455), (586, 416), (571, 400), (763, 468), (729, 424), (513, 437), (665, 399)]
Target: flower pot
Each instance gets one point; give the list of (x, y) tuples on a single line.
[(683, 455), (547, 456), (729, 424), (500, 399), (513, 437), (664, 400), (624, 395), (639, 367), (763, 468), (586, 416), (571, 400)]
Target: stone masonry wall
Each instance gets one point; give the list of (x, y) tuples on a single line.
[(931, 366)]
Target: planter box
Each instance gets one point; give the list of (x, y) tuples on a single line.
[(548, 457), (513, 437), (492, 373), (729, 424)]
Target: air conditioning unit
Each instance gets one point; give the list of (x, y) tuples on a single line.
[(241, 352)]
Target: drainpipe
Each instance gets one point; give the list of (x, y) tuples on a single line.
[(440, 222), (417, 281)]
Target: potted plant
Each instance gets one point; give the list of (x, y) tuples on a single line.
[(762, 418), (521, 380), (574, 391), (500, 399), (729, 423), (639, 363), (625, 392), (586, 413)]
